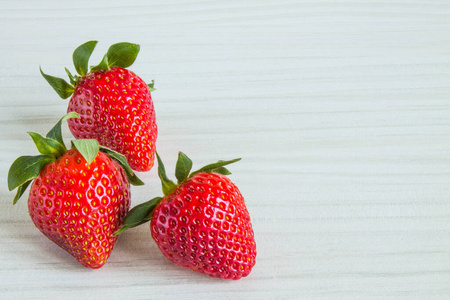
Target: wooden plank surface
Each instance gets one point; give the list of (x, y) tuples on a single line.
[(339, 109)]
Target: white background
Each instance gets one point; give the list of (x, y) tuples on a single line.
[(339, 109)]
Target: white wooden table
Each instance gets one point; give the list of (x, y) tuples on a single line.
[(339, 109)]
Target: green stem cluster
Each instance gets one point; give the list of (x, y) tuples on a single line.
[(118, 55), (26, 168), (143, 212)]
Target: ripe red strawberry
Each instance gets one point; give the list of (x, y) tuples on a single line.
[(202, 223), (114, 104), (78, 197)]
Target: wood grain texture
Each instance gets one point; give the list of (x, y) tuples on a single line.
[(340, 110)]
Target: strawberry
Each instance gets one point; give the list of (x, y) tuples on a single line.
[(114, 104), (202, 222), (78, 197)]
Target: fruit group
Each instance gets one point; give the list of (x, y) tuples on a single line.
[(202, 223), (78, 197), (114, 104)]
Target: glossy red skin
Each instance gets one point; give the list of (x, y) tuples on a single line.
[(205, 226), (79, 207), (116, 109)]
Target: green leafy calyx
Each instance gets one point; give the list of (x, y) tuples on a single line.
[(81, 57), (151, 86), (122, 161), (139, 214), (218, 167), (55, 133), (61, 87), (122, 54), (168, 186), (26, 168), (47, 146), (118, 55), (88, 148), (183, 167), (143, 212), (103, 65)]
